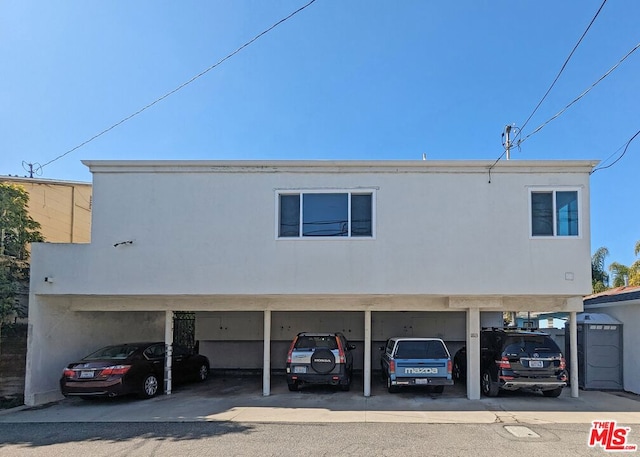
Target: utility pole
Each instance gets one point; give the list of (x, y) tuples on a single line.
[(507, 144)]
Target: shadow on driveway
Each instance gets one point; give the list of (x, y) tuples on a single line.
[(233, 398)]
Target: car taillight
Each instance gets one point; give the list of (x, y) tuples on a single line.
[(115, 370), (293, 343), (449, 366), (67, 373), (563, 363), (503, 363), (341, 351), (392, 366)]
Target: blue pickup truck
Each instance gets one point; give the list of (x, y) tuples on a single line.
[(416, 362)]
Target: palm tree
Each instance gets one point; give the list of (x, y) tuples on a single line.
[(634, 269), (620, 274), (599, 277), (624, 275)]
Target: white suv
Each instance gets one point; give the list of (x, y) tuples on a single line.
[(320, 358)]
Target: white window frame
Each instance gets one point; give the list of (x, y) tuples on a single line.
[(553, 191), (349, 191)]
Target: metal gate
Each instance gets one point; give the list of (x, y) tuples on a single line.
[(184, 329)]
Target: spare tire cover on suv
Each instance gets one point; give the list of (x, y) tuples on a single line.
[(323, 360)]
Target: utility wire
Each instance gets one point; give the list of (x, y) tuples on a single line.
[(612, 154), (519, 142), (579, 96), (621, 155), (561, 70), (182, 85), (515, 139)]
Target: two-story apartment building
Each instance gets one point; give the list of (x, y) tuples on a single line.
[(262, 250)]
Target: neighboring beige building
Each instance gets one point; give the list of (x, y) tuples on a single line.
[(63, 208)]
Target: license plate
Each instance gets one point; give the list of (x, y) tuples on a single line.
[(536, 364), (299, 369), (86, 374), (422, 381)]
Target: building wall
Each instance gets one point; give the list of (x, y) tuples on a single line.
[(628, 315), (13, 354), (202, 237), (213, 231), (234, 340), (58, 336), (62, 208)]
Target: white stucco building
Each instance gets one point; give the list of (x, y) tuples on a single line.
[(262, 250)]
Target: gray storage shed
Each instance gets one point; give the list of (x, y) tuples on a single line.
[(599, 351)]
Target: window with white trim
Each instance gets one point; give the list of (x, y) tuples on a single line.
[(554, 213), (325, 214)]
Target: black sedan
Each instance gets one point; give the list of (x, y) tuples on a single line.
[(132, 368)]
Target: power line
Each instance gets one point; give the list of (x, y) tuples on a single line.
[(519, 130), (621, 155), (612, 154), (519, 142), (202, 73), (561, 69), (580, 96)]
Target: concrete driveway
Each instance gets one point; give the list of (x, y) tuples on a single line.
[(239, 399)]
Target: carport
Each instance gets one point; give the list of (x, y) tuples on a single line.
[(366, 320)]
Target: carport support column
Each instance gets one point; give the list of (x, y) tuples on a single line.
[(473, 354), (266, 365), (168, 341), (367, 353), (573, 350)]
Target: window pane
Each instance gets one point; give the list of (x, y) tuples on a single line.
[(542, 214), (289, 215), (567, 213), (420, 350), (324, 214), (361, 215)]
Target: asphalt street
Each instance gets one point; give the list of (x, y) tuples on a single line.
[(228, 415), (140, 439)]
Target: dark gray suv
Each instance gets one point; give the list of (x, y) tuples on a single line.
[(516, 359), (320, 358)]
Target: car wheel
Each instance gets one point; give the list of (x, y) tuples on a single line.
[(149, 386), (553, 392), (390, 387), (293, 386), (323, 361), (203, 372), (347, 384), (488, 387), (437, 389)]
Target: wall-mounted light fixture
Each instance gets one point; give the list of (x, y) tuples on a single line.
[(48, 279), (122, 242)]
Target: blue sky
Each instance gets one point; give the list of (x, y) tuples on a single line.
[(360, 79)]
